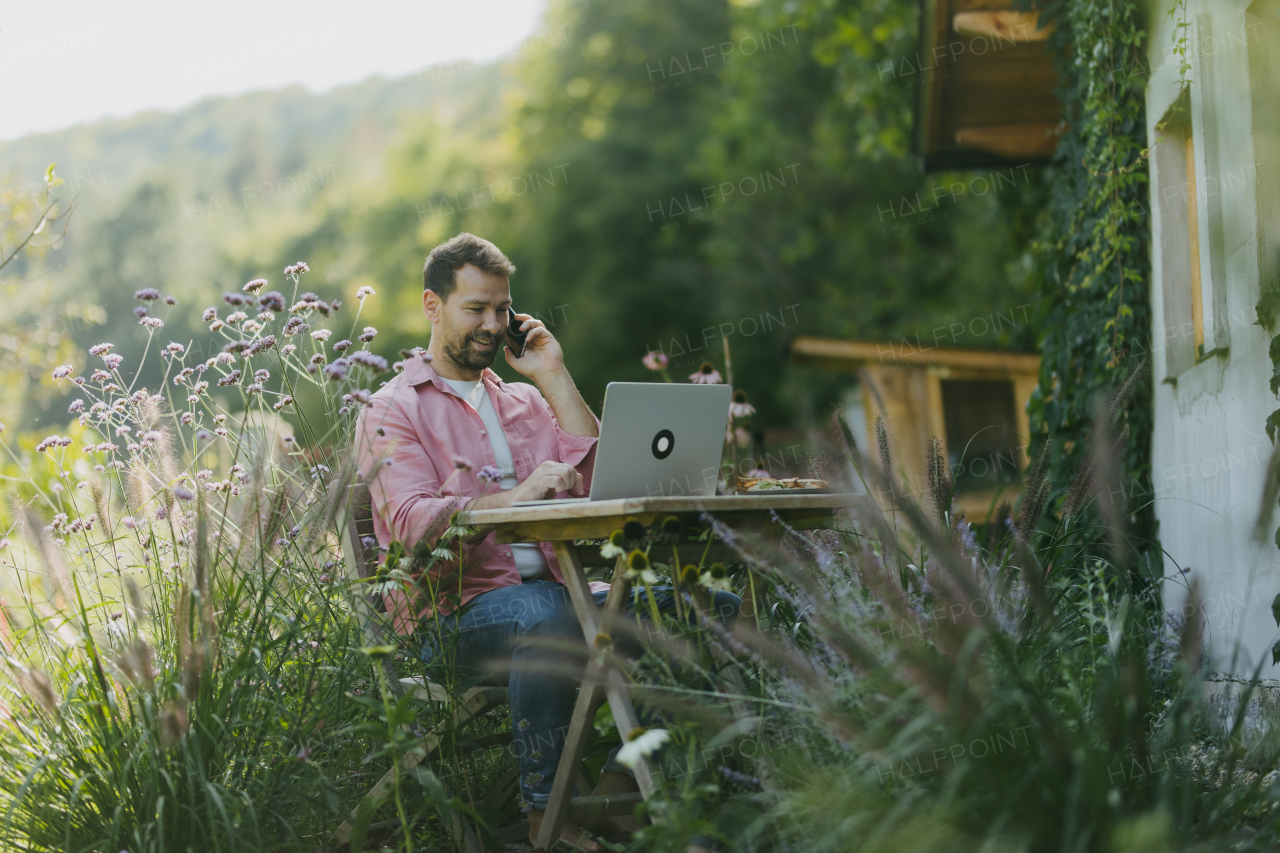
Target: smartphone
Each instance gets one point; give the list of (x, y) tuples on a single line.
[(514, 337)]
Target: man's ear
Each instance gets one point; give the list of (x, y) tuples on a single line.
[(432, 305)]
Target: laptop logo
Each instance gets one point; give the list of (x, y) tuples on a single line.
[(663, 443)]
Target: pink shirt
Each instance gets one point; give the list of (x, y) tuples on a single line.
[(406, 444)]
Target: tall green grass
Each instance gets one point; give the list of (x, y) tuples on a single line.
[(912, 688), (185, 667)]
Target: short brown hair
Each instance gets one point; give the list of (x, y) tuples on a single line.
[(439, 273)]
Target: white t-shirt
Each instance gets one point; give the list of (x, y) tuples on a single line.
[(528, 557)]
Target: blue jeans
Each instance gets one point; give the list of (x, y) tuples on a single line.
[(528, 638)]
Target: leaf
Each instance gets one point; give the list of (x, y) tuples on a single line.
[(1275, 653), (1273, 423), (1275, 608)]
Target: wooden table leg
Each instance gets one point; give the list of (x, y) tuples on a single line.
[(607, 681)]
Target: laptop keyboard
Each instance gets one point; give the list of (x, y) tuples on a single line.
[(552, 501)]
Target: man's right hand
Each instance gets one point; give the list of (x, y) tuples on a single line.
[(547, 480)]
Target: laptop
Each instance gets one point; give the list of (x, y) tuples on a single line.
[(657, 439)]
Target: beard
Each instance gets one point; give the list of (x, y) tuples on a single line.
[(468, 357)]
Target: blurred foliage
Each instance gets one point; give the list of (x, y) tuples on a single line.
[(662, 174)]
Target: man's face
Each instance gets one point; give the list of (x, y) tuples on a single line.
[(471, 323)]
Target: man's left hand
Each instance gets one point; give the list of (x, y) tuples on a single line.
[(542, 353)]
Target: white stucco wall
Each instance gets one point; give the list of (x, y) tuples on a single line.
[(1209, 448)]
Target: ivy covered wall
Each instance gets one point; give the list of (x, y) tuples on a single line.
[(1093, 253)]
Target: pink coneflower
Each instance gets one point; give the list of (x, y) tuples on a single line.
[(255, 285), (739, 407), (742, 437), (655, 361), (757, 472), (365, 291), (706, 375), (100, 349)]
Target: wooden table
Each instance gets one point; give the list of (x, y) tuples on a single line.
[(561, 524)]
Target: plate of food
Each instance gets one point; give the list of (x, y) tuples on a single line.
[(772, 484)]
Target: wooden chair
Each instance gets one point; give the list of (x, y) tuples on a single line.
[(362, 563)]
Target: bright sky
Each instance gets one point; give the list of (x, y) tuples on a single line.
[(79, 60)]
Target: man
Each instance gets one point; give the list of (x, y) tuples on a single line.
[(434, 441)]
